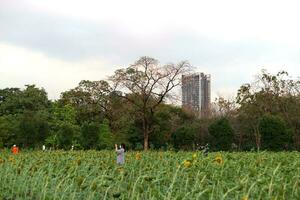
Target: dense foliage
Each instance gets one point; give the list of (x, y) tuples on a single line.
[(96, 114), (221, 134), (274, 133), (149, 175)]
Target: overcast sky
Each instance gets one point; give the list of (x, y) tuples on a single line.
[(56, 43)]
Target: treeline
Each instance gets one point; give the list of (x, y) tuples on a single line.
[(130, 107)]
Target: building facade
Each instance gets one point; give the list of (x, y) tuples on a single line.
[(196, 93)]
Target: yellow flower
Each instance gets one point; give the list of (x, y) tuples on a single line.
[(187, 163), (78, 161), (219, 159), (160, 155), (194, 156), (10, 159), (120, 169), (245, 198), (138, 156)]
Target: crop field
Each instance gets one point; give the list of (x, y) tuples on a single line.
[(151, 175)]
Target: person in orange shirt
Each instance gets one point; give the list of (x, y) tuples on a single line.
[(15, 149)]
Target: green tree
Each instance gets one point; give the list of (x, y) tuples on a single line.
[(34, 128), (90, 135), (66, 135), (167, 120), (105, 137), (28, 109), (146, 85), (133, 135), (221, 134), (10, 101), (184, 137), (270, 94), (275, 135), (64, 129), (90, 100), (9, 130)]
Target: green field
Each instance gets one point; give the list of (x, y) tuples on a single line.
[(151, 175)]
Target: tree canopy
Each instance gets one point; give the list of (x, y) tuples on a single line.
[(132, 107)]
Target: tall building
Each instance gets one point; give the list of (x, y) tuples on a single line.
[(196, 93)]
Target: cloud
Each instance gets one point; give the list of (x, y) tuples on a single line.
[(59, 37), (232, 19), (56, 45), (21, 66)]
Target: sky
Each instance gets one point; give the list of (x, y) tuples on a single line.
[(55, 44)]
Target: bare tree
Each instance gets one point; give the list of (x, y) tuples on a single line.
[(146, 84)]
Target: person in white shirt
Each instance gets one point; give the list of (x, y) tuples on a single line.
[(120, 154)]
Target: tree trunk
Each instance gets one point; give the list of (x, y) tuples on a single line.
[(146, 140), (145, 133), (240, 141), (257, 139), (297, 141)]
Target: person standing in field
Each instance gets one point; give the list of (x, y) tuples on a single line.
[(120, 154), (15, 149)]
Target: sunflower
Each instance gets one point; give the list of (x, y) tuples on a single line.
[(194, 156), (245, 198), (120, 169), (138, 156), (219, 159), (187, 163), (78, 162), (10, 159), (160, 156)]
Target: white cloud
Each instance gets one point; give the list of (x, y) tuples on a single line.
[(67, 40), (230, 19), (20, 66)]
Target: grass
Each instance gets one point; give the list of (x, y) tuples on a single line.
[(151, 175)]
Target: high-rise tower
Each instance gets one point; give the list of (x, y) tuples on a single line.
[(196, 93)]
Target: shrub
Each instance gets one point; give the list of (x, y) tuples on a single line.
[(221, 134), (274, 133)]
